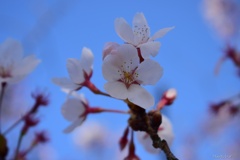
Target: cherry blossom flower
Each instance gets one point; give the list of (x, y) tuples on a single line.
[(223, 16), (13, 66), (80, 71), (165, 131), (85, 139), (125, 74), (139, 35), (220, 116), (75, 111)]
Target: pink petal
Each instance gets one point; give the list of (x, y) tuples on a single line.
[(160, 33), (149, 72), (72, 109), (123, 30), (75, 70), (65, 83), (116, 89), (11, 51), (140, 97), (75, 124), (25, 66), (149, 49), (86, 60)]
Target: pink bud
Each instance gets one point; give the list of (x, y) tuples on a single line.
[(109, 48), (124, 140), (170, 95), (41, 137), (41, 98), (167, 98)]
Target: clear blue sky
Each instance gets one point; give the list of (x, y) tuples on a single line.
[(57, 30)]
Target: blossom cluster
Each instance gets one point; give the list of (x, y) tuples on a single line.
[(14, 68), (126, 68)]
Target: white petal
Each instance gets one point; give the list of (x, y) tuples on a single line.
[(10, 52), (167, 131), (75, 124), (116, 89), (25, 66), (141, 29), (75, 70), (75, 94), (123, 30), (128, 58), (65, 83), (149, 72), (146, 141), (72, 109), (140, 97), (86, 60), (110, 68), (124, 58), (149, 48), (160, 33), (139, 20)]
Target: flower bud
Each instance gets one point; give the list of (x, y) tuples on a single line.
[(108, 48), (170, 95), (167, 98)]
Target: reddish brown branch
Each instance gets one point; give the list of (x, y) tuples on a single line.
[(141, 121)]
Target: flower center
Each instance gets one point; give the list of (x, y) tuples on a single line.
[(128, 73), (4, 73), (127, 77)]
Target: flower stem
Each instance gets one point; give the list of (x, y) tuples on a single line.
[(99, 110), (14, 125), (161, 104), (115, 111), (18, 145), (4, 84), (141, 121), (31, 111), (31, 147), (94, 89)]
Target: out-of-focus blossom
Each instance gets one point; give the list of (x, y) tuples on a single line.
[(92, 135), (41, 98), (30, 121), (47, 152), (41, 137), (231, 53), (14, 103), (139, 35), (165, 131), (75, 111), (80, 71), (224, 16), (13, 66), (125, 74), (223, 113)]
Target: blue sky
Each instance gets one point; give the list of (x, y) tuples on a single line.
[(57, 30)]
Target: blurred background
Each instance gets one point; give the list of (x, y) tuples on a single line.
[(55, 30)]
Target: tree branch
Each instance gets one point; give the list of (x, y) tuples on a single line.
[(141, 121)]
